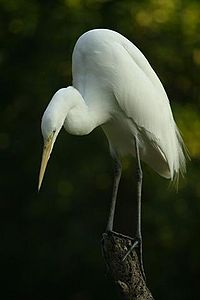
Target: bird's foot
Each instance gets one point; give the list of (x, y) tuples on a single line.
[(134, 245), (120, 235), (137, 244)]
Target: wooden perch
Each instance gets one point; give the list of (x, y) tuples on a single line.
[(125, 274)]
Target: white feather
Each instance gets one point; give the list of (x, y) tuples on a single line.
[(114, 77), (115, 87)]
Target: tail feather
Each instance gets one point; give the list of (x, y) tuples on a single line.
[(183, 155)]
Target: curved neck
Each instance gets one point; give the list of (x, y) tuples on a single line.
[(82, 118), (77, 117)]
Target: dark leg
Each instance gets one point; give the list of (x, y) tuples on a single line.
[(138, 241), (139, 204), (117, 176)]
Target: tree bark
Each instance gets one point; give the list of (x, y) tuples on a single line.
[(125, 274)]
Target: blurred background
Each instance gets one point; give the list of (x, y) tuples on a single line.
[(50, 242)]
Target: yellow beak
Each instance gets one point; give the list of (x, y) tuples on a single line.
[(48, 145)]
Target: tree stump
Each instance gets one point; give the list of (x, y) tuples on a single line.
[(125, 274)]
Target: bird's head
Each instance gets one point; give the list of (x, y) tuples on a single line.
[(52, 122)]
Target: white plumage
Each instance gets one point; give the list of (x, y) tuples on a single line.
[(114, 77), (114, 86)]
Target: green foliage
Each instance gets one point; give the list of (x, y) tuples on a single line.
[(50, 246)]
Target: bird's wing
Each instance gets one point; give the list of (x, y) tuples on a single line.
[(143, 99)]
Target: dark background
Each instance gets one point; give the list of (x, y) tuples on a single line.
[(50, 242)]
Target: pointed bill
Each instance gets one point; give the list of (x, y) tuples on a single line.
[(48, 145)]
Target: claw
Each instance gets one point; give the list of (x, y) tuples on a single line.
[(135, 244)]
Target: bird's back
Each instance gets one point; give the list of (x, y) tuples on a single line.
[(112, 73)]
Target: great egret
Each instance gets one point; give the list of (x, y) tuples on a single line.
[(115, 87)]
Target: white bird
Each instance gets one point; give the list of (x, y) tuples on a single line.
[(115, 87)]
